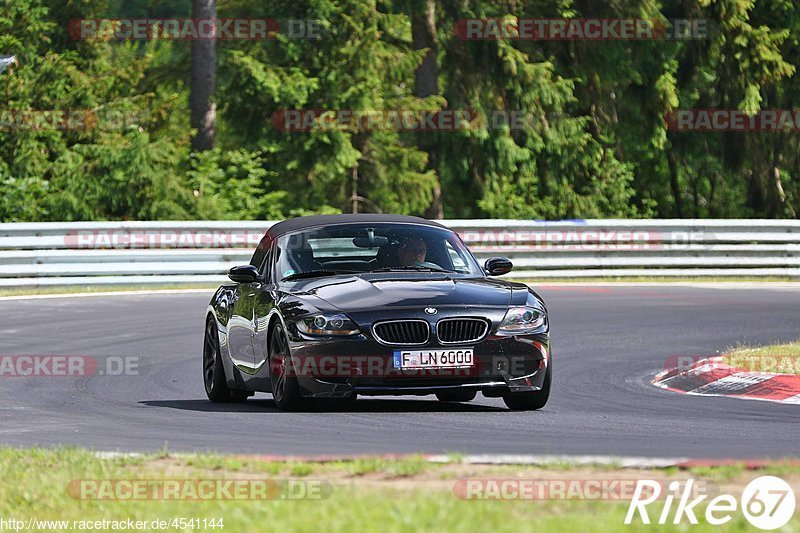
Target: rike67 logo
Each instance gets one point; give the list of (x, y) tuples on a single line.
[(767, 502)]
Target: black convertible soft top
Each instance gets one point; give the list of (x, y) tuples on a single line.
[(294, 224)]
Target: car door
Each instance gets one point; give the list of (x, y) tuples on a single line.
[(242, 325), (263, 304)]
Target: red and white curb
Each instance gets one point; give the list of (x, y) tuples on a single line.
[(714, 377)]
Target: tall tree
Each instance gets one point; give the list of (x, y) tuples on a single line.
[(363, 62), (537, 156), (204, 81), (426, 83)]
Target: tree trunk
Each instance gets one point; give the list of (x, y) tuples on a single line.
[(354, 196), (777, 206), (423, 36), (204, 81), (672, 162)]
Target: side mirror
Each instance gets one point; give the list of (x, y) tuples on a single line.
[(244, 274), (497, 266)]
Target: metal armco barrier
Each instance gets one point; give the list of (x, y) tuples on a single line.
[(141, 253)]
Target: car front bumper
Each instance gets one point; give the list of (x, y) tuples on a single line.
[(339, 369)]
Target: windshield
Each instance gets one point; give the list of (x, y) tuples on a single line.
[(365, 248)]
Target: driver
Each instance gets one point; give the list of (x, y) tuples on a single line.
[(412, 252)]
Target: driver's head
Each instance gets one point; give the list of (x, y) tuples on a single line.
[(412, 251)]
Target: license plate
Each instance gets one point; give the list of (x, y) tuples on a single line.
[(460, 358)]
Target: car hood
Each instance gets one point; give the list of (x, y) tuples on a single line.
[(353, 294)]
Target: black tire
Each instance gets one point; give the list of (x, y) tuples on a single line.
[(214, 379), (531, 401), (456, 396), (285, 389)]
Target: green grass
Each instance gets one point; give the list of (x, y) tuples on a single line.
[(791, 349), (660, 279), (404, 467), (779, 358), (369, 494), (358, 466), (737, 470)]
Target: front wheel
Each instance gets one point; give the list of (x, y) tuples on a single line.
[(285, 389), (216, 384), (531, 401)]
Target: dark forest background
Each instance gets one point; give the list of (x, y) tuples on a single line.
[(597, 145)]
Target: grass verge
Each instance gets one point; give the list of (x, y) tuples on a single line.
[(366, 494), (779, 358), (659, 279)]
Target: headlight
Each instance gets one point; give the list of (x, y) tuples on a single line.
[(521, 321), (327, 325)]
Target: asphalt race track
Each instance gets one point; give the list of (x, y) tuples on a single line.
[(608, 342)]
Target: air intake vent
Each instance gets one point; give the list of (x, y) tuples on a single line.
[(404, 332), (459, 330)]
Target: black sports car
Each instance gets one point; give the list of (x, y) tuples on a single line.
[(343, 305)]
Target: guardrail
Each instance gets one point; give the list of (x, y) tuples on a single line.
[(104, 253)]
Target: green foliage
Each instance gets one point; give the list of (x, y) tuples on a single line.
[(233, 184), (595, 141)]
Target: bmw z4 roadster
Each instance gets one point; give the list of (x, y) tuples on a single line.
[(335, 306)]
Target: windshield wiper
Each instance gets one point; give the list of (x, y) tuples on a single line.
[(317, 274), (412, 268)]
